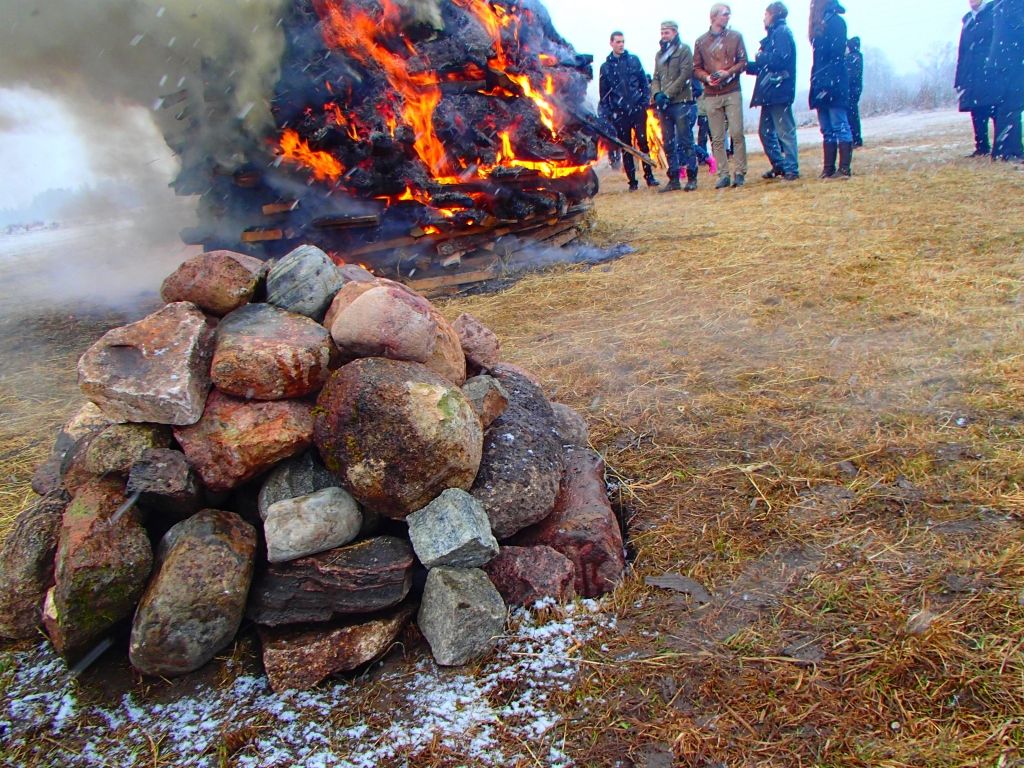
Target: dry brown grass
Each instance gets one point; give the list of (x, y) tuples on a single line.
[(812, 396)]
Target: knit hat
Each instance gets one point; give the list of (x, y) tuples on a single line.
[(670, 25)]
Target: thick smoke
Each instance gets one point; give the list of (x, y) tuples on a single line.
[(175, 57)]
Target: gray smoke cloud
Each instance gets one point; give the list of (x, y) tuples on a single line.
[(205, 68)]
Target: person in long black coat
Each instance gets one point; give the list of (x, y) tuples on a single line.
[(624, 94), (1005, 72), (855, 71), (830, 85), (775, 92), (975, 45)]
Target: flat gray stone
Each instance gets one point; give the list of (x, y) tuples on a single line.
[(304, 282), (461, 616), (452, 530), (298, 476), (309, 524)]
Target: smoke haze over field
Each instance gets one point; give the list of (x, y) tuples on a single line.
[(80, 80)]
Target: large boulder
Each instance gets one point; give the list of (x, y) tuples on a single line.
[(101, 568), (157, 369), (304, 282), (195, 601), (26, 565), (236, 440), (461, 616), (452, 530), (583, 526), (265, 353), (364, 577), (300, 657), (309, 524), (217, 282), (387, 319), (397, 434), (524, 575), (522, 460)]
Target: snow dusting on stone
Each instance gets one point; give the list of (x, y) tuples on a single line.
[(508, 697)]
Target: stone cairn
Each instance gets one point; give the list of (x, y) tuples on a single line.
[(317, 451)]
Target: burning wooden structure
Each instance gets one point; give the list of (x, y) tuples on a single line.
[(418, 138)]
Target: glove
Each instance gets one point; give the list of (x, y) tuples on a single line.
[(661, 101)]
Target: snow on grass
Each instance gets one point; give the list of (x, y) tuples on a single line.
[(493, 717)]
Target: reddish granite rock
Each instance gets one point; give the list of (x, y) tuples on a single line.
[(479, 343), (195, 601), (73, 470), (388, 319), (487, 396), (26, 566), (364, 577), (524, 575), (101, 568), (155, 370), (236, 440), (299, 658), (396, 434), (265, 353), (583, 526), (522, 460), (217, 282)]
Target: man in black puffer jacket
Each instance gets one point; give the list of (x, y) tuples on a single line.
[(969, 81), (774, 92), (1005, 74), (625, 94)]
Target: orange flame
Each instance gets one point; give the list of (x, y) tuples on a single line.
[(546, 109), (323, 164), (355, 32), (654, 138)]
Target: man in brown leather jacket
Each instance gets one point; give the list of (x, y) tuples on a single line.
[(719, 58)]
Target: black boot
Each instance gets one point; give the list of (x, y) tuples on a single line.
[(828, 170), (691, 180), (845, 158)]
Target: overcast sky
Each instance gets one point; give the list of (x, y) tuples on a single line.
[(40, 148)]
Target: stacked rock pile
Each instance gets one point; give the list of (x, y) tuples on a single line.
[(315, 450)]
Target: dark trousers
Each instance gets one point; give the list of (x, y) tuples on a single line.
[(1006, 144), (980, 117), (677, 133), (632, 130), (703, 135), (853, 113)]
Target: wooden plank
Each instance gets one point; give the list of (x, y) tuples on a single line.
[(460, 278), (262, 235), (347, 222), (271, 209)]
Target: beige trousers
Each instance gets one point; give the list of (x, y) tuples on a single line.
[(723, 109)]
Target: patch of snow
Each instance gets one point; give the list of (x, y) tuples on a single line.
[(506, 702)]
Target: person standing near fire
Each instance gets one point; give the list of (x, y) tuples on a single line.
[(855, 71), (775, 92), (719, 57), (830, 86), (969, 81), (625, 94), (672, 94)]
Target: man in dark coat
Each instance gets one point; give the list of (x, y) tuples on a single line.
[(855, 71), (1005, 72), (975, 44), (830, 85), (625, 94), (774, 92)]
